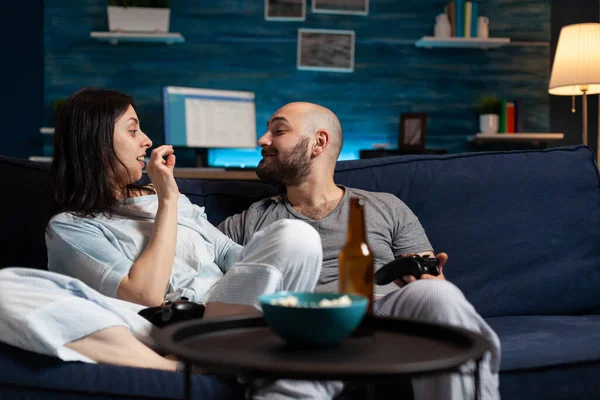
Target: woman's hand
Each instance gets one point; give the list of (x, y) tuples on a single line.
[(160, 170)]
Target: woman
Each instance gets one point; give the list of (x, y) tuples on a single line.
[(119, 247)]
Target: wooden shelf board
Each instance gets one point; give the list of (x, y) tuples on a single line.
[(516, 137), (116, 37), (453, 42)]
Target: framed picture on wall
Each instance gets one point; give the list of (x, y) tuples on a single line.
[(357, 7), (413, 128), (325, 50), (285, 10)]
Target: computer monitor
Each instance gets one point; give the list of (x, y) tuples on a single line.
[(209, 118)]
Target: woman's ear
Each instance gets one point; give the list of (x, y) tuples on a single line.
[(321, 142)]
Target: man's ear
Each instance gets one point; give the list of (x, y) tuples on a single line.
[(321, 142)]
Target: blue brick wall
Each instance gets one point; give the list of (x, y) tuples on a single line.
[(229, 45)]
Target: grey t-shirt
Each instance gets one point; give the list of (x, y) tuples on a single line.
[(392, 229)]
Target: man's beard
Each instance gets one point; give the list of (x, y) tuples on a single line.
[(291, 169)]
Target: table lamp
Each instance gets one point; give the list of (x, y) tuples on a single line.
[(576, 67)]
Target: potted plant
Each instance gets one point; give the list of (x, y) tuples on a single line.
[(488, 108), (138, 15)]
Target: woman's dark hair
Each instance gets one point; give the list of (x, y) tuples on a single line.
[(84, 177)]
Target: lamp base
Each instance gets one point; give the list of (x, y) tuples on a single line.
[(585, 117)]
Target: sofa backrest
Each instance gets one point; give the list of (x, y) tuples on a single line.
[(24, 207), (522, 228)]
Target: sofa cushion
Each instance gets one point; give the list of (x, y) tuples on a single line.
[(23, 370), (530, 342), (563, 382), (521, 228)]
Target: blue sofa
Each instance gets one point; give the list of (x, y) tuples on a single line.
[(522, 230)]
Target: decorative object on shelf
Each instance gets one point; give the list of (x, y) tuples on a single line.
[(442, 28), (116, 37), (466, 28), (463, 18), (576, 67), (483, 27), (285, 10), (488, 108), (431, 42), (356, 7), (413, 128), (138, 15), (325, 50)]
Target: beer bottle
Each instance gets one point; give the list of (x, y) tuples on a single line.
[(356, 261)]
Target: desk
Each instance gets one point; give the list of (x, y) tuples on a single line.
[(247, 346), (512, 141), (397, 152), (215, 174)]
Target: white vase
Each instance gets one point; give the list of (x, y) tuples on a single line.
[(488, 123), (138, 19), (442, 28)]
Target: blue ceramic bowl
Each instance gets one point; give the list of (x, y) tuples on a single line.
[(310, 325)]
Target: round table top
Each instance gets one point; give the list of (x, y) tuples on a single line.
[(247, 346)]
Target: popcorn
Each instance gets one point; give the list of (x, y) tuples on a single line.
[(343, 301), (292, 301), (289, 301)]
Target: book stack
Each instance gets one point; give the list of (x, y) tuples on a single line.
[(463, 18), (511, 117)]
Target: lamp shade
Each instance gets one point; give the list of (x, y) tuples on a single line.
[(577, 61)]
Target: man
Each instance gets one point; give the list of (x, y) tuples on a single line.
[(300, 149)]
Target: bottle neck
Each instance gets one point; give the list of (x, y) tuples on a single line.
[(356, 222)]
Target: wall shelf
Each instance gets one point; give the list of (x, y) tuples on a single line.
[(516, 137), (116, 37), (40, 159), (215, 173), (430, 42)]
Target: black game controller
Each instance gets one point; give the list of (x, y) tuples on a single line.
[(414, 265), (173, 311)]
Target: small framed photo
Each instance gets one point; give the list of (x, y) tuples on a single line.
[(285, 10), (357, 7), (326, 50), (413, 127)]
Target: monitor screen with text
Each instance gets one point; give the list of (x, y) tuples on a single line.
[(209, 118)]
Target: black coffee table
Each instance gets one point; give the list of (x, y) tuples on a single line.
[(246, 346)]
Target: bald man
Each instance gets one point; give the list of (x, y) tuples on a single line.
[(300, 149)]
